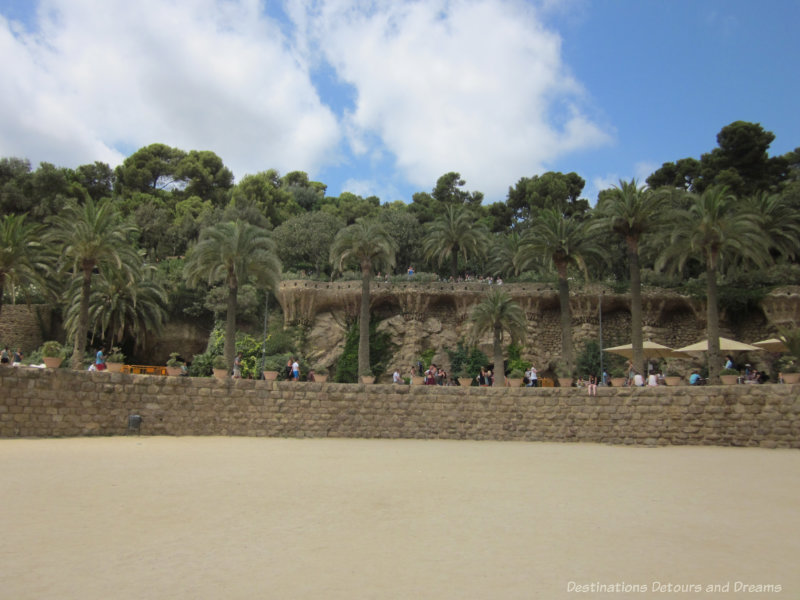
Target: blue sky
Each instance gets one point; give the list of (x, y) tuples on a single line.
[(382, 97)]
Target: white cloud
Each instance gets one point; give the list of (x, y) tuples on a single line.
[(476, 86), (206, 74)]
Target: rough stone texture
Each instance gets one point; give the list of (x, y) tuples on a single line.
[(45, 403), (21, 326)]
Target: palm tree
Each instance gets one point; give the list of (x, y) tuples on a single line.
[(778, 219), (456, 232), (21, 256), (367, 244), (713, 229), (632, 211), (507, 255), (498, 313), (125, 302), (90, 236), (565, 241), (234, 253)]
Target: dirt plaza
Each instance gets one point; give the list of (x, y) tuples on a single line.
[(221, 517)]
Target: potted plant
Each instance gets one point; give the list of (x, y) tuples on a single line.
[(563, 373), (515, 378), (220, 367), (729, 376), (788, 369), (51, 354), (464, 378), (115, 360), (320, 374), (367, 379), (617, 377), (272, 366), (174, 365)]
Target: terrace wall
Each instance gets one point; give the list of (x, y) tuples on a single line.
[(47, 403)]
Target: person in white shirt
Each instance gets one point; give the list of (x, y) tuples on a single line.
[(652, 379), (396, 377), (638, 380)]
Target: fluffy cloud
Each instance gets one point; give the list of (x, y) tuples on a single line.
[(92, 79), (476, 86)]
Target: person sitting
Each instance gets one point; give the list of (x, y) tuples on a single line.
[(729, 362), (638, 380), (694, 378), (652, 379)]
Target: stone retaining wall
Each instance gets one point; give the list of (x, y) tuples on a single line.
[(45, 403)]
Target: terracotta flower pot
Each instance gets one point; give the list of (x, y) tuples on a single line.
[(173, 371), (617, 381), (320, 378), (114, 367), (367, 379), (415, 380), (791, 377), (270, 375), (220, 373), (565, 381), (514, 382), (52, 362), (465, 381), (729, 379), (673, 380)]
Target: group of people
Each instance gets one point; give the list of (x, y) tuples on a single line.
[(10, 358)]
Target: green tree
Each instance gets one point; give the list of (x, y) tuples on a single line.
[(552, 191), (305, 241), (632, 211), (405, 231), (88, 237), (498, 313), (233, 253), (368, 245), (454, 233), (125, 304), (565, 241), (350, 207), (713, 229), (447, 192), (264, 194), (22, 259)]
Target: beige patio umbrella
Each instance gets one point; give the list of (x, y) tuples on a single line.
[(724, 344), (772, 345), (649, 350)]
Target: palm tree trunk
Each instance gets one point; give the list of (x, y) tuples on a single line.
[(712, 321), (230, 326), (363, 324), (79, 347), (636, 305), (566, 314), (2, 288), (454, 263), (497, 347)]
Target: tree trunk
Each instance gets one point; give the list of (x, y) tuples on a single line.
[(2, 289), (636, 306), (79, 346), (363, 322), (566, 314), (497, 347), (712, 322), (230, 326), (454, 263)]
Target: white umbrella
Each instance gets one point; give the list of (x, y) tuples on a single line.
[(724, 344), (772, 345), (649, 350)]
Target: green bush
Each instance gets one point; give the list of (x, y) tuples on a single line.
[(380, 352)]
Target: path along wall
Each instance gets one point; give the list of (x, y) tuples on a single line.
[(45, 403)]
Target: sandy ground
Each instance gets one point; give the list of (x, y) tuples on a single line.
[(158, 517)]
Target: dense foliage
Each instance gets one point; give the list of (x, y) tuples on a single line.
[(79, 238)]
